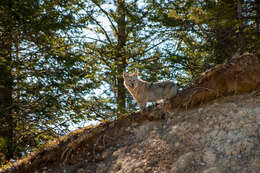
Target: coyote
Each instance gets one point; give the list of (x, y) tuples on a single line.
[(144, 92)]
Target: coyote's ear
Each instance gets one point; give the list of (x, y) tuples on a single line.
[(136, 72), (124, 74)]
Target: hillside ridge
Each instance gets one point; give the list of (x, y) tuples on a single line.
[(104, 148)]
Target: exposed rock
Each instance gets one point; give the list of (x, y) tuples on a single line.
[(189, 162), (254, 166), (209, 156), (213, 170)]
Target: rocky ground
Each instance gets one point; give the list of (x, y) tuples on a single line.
[(221, 137)]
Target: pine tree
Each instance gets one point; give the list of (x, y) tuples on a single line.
[(42, 91), (124, 40), (208, 32)]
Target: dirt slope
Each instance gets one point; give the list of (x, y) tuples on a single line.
[(211, 127)]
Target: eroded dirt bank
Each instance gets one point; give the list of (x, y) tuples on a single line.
[(211, 127)]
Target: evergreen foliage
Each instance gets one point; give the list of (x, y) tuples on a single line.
[(208, 32), (42, 86)]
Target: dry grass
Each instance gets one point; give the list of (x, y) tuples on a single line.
[(236, 76)]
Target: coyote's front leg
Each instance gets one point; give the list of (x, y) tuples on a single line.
[(142, 106)]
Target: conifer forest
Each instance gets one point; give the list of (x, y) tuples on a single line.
[(61, 61)]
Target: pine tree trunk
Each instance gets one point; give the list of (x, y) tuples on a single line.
[(225, 44), (121, 59), (257, 7), (6, 85), (6, 88), (240, 30)]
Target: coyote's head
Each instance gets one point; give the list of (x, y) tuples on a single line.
[(131, 80)]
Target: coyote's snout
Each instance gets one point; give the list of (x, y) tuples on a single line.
[(144, 92)]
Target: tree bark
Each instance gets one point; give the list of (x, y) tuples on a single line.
[(225, 44), (6, 85), (240, 30), (120, 55), (257, 7)]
